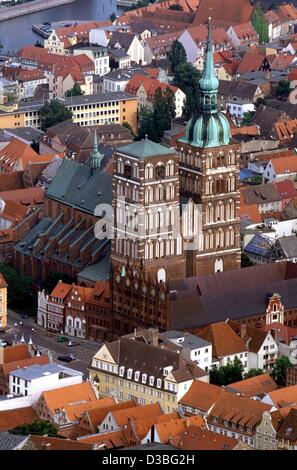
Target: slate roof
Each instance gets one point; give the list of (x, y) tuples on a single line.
[(260, 194), (237, 89), (124, 39), (10, 441), (288, 429), (80, 186), (202, 300), (259, 245), (288, 246), (145, 148)]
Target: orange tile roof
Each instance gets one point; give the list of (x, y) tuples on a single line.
[(198, 438), (246, 130), (282, 61), (15, 353), (285, 129), (55, 443), (282, 332), (110, 440), (29, 75), (199, 34), (289, 11), (250, 212), (253, 386), (170, 429), (11, 181), (286, 189), (27, 196), (201, 395), (150, 85), (284, 165), (14, 211), (245, 30), (16, 417), (74, 399), (250, 62), (14, 152), (61, 290), (99, 294), (122, 417), (224, 340), (104, 406), (227, 12), (284, 397)]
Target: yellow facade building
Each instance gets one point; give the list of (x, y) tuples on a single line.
[(3, 302), (130, 369)]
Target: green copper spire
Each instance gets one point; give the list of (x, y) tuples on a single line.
[(208, 127), (208, 84), (96, 157)]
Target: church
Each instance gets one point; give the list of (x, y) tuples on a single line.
[(176, 211)]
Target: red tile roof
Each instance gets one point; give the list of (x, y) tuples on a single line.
[(259, 385), (201, 395), (12, 418), (29, 75), (286, 189), (224, 340), (198, 438), (284, 165), (224, 12), (27, 196), (245, 31), (250, 62), (15, 353)]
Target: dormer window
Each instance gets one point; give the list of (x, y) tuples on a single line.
[(144, 378), (151, 380), (129, 373), (136, 375), (122, 371), (159, 383)]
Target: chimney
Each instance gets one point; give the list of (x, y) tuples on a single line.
[(242, 331), (46, 445), (155, 337)]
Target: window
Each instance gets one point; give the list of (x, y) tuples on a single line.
[(159, 383), (151, 380), (136, 376), (122, 371), (144, 378)]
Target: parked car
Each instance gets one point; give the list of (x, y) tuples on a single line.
[(66, 358), (3, 343), (72, 343), (62, 339)]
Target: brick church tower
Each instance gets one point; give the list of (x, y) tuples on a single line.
[(209, 175), (146, 209)]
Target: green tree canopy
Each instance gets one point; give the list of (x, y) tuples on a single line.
[(247, 118), (253, 373), (260, 24), (178, 55), (39, 427), (20, 288), (129, 127), (154, 123), (283, 89), (226, 375), (279, 371), (187, 79), (52, 113), (75, 90), (245, 260)]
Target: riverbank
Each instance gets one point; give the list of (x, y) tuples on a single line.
[(30, 7)]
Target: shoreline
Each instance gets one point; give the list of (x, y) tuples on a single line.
[(30, 7)]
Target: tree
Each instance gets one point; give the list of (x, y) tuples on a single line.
[(283, 89), (247, 118), (19, 289), (146, 124), (52, 113), (75, 91), (253, 373), (177, 55), (129, 127), (245, 260), (52, 280), (226, 375), (113, 17), (38, 44), (164, 111), (154, 123), (260, 24), (39, 427), (279, 371), (187, 79), (255, 180)]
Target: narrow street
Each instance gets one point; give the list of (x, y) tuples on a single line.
[(18, 326)]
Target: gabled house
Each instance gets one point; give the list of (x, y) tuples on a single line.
[(274, 24), (287, 432), (281, 169), (27, 82), (159, 47), (254, 387), (266, 431), (238, 98), (243, 35), (200, 398), (130, 44), (252, 62)]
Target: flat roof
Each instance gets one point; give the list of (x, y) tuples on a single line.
[(37, 371)]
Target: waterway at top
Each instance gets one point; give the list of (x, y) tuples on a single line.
[(17, 32)]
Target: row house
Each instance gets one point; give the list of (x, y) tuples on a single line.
[(237, 417), (82, 312), (159, 47), (130, 43), (99, 55), (27, 82)]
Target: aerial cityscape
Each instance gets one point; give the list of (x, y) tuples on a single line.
[(148, 227)]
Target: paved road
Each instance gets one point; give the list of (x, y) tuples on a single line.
[(30, 7), (83, 352)]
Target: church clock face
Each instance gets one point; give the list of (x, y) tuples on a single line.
[(127, 171), (160, 172)]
